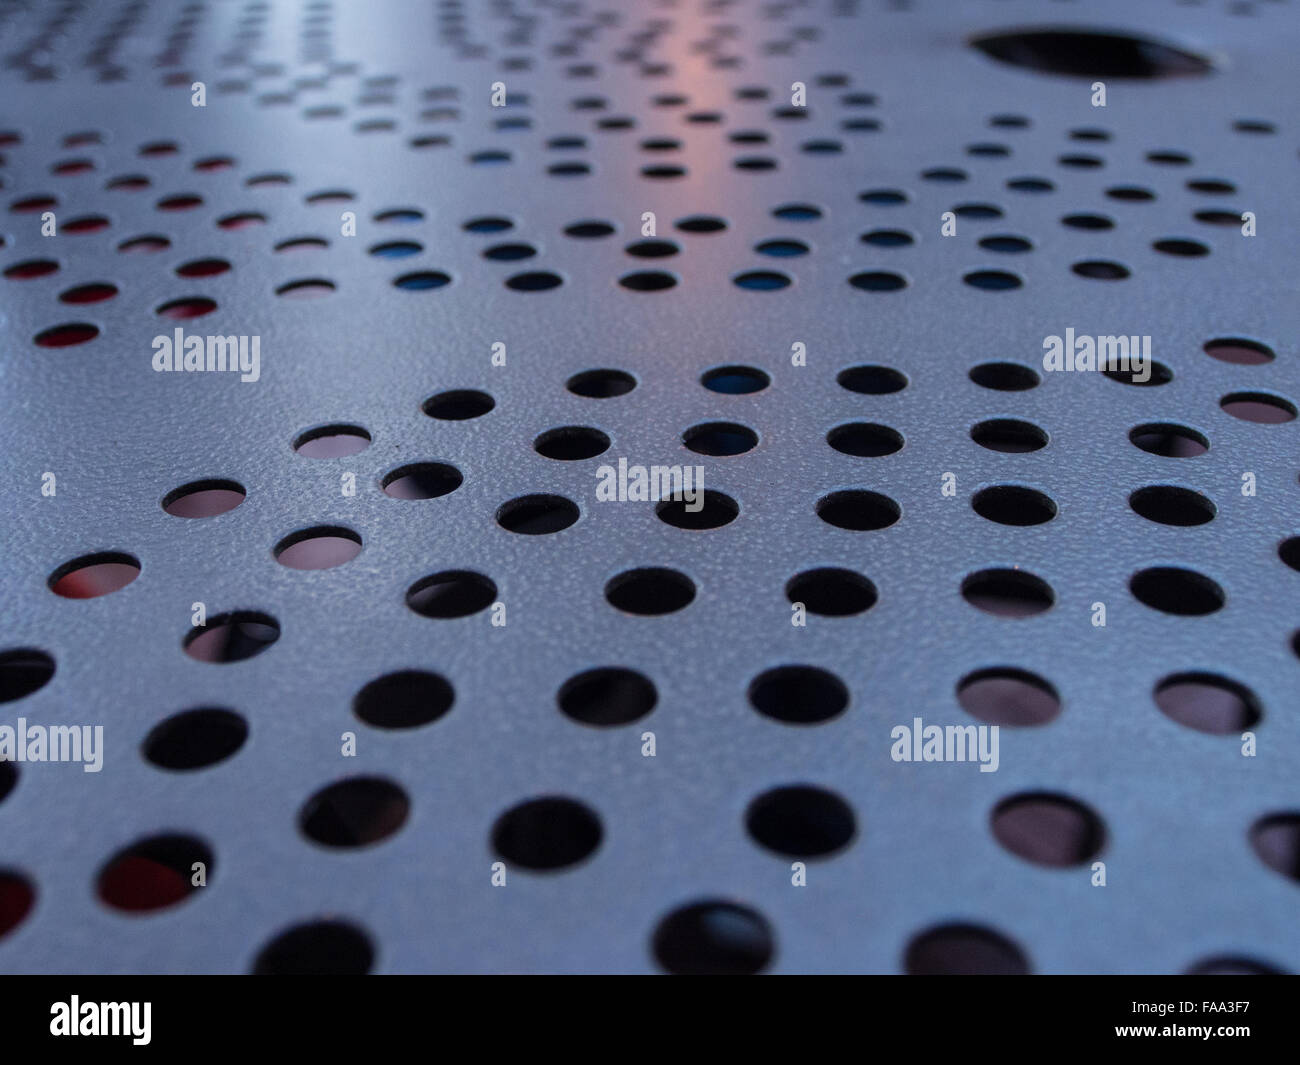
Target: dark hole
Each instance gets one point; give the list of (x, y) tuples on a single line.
[(871, 380), (66, 336), (1160, 374), (547, 833), (458, 405), (1010, 504), (1101, 270), (1009, 435), (1004, 376), (964, 950), (154, 873), (1208, 703), (720, 438), (406, 699), (648, 281), (652, 249), (1239, 352), (320, 547), (1004, 695), (735, 380), (798, 695), (191, 307), (1168, 440), (96, 292), (8, 779), (1009, 593), (1171, 590), (232, 637), (1258, 407), (801, 821), (332, 441), (782, 249), (601, 384), (878, 281), (1088, 221), (320, 948), (1276, 840), (858, 510), (203, 268), (1051, 830), (451, 594), (194, 739), (423, 280), (1130, 193), (1180, 246), (887, 238), (23, 670), (203, 499), (31, 268), (797, 212), (713, 938), (354, 812), (534, 281), (761, 280), (650, 591), (712, 511), (16, 898), (589, 230), (832, 592), (992, 280), (1232, 965), (571, 443), (421, 480), (537, 515), (977, 211), (94, 575), (1088, 54), (1170, 505), (1005, 243), (865, 439), (607, 696)]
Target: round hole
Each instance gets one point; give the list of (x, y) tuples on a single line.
[(203, 268), (832, 592), (858, 510), (153, 874), (648, 281), (191, 307), (1232, 965), (801, 821), (354, 813), (1168, 440), (1169, 504), (1181, 247), (871, 380), (91, 576), (1009, 435), (31, 268), (1258, 407), (713, 938), (537, 515), (195, 739), (878, 281), (451, 594), (865, 439), (1088, 221), (720, 439), (1004, 695), (1011, 504), (735, 380), (1051, 830), (1004, 376), (1004, 243), (761, 280), (422, 281), (203, 499), (589, 230), (887, 238), (1182, 592), (1091, 54), (66, 336), (964, 950), (798, 695), (1008, 593), (458, 405), (23, 670), (607, 696), (571, 443), (707, 510), (1101, 270), (992, 280), (650, 591), (1158, 374), (652, 249), (93, 293), (1276, 841), (535, 281), (318, 948), (547, 834), (1239, 352), (331, 441), (421, 480), (1208, 703), (601, 384), (782, 249), (701, 224), (17, 895), (321, 547), (406, 699)]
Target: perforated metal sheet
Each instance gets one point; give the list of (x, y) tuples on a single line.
[(894, 91)]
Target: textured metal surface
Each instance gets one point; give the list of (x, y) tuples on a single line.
[(1184, 883)]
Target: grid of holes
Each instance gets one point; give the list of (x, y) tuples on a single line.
[(554, 832)]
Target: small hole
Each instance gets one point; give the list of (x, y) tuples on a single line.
[(451, 594), (66, 336), (650, 591), (1212, 186), (1232, 965), (1168, 440), (1159, 374), (878, 281), (394, 249), (1101, 270), (23, 670), (17, 895), (571, 443), (871, 380), (1096, 222), (421, 480), (1181, 247), (831, 592), (782, 249), (203, 499), (601, 384), (858, 510), (232, 637), (422, 281), (589, 230), (1005, 376), (488, 224), (761, 281), (32, 268), (865, 439), (458, 405), (536, 281), (797, 212), (332, 442), (1258, 407), (1010, 504), (547, 834), (709, 510), (1005, 244), (190, 307), (93, 293), (1089, 54), (1170, 505), (607, 697), (320, 547), (195, 739), (1007, 696), (992, 280), (144, 244), (537, 515), (720, 439), (648, 281), (735, 380), (1051, 830), (1130, 194), (1239, 352), (406, 699), (964, 950), (1182, 592), (888, 238), (320, 948), (91, 576), (713, 938), (1008, 593), (801, 821), (1208, 703), (355, 812), (203, 268), (652, 249), (701, 224), (798, 695), (153, 873), (1276, 841), (1009, 435)]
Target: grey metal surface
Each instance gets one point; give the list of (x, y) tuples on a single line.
[(1183, 882)]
